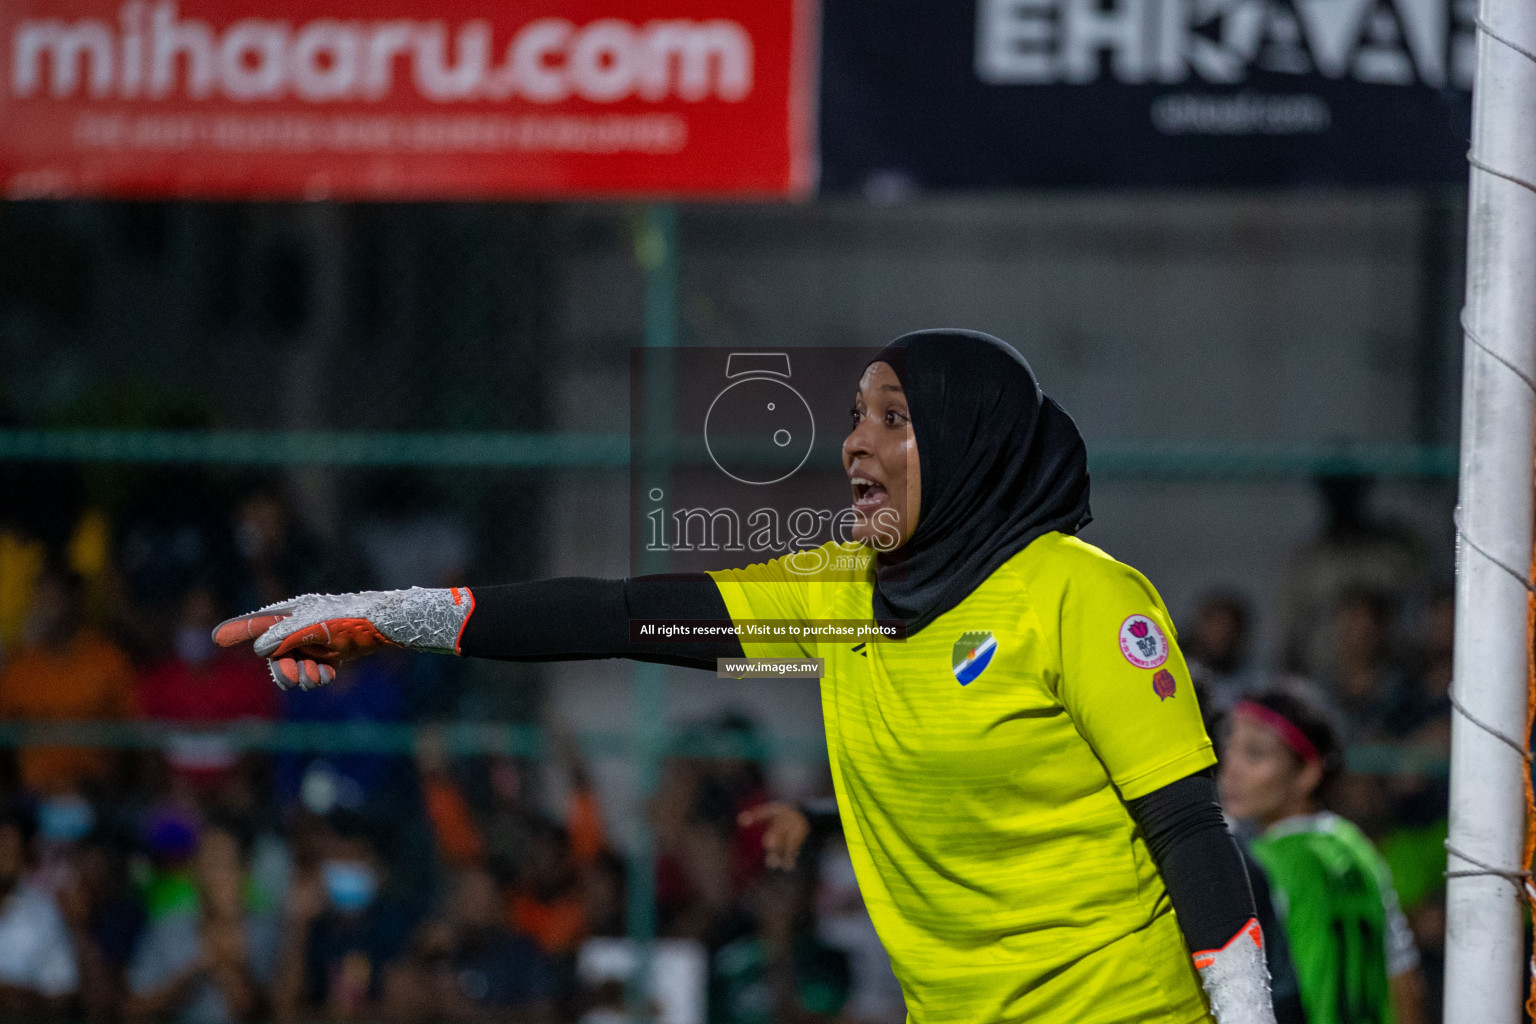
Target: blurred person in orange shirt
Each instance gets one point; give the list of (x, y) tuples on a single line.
[(65, 671), (546, 897), (549, 898)]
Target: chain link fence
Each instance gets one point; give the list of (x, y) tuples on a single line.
[(209, 408)]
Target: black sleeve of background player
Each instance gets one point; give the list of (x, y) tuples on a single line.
[(822, 815), (579, 617), (1198, 858)]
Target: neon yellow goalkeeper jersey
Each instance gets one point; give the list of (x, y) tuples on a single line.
[(981, 769)]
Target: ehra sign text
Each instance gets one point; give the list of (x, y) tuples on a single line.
[(1381, 42)]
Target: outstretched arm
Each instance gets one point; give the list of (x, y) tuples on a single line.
[(307, 638), (580, 617)]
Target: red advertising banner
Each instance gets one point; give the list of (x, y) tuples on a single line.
[(403, 99)]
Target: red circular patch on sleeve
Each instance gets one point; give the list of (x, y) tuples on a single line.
[(1143, 642)]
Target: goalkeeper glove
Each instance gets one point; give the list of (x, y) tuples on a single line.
[(1236, 979), (306, 638)]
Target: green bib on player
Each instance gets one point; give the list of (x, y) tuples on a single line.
[(980, 768), (1335, 895)]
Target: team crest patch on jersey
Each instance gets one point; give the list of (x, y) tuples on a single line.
[(1164, 685), (972, 654), (1143, 642)]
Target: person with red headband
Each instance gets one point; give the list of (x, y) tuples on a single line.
[(1353, 952)]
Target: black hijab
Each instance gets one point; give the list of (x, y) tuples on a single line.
[(1001, 465)]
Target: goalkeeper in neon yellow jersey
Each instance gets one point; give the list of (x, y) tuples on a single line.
[(1024, 781), (1354, 956)]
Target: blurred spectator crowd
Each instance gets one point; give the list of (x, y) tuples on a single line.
[(189, 878), (183, 876)]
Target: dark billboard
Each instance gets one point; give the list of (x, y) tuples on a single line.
[(1024, 93)]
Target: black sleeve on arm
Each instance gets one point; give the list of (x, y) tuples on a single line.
[(822, 814), (581, 617), (1198, 858)]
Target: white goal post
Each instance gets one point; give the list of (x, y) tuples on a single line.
[(1484, 946)]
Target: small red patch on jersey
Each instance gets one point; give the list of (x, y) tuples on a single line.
[(1164, 685)]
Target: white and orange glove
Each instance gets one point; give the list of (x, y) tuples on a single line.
[(306, 638), (1236, 979)]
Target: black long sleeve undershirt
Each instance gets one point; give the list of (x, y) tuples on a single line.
[(580, 617), (1201, 865)]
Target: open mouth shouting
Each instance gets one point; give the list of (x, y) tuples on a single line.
[(880, 458), (868, 493)]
